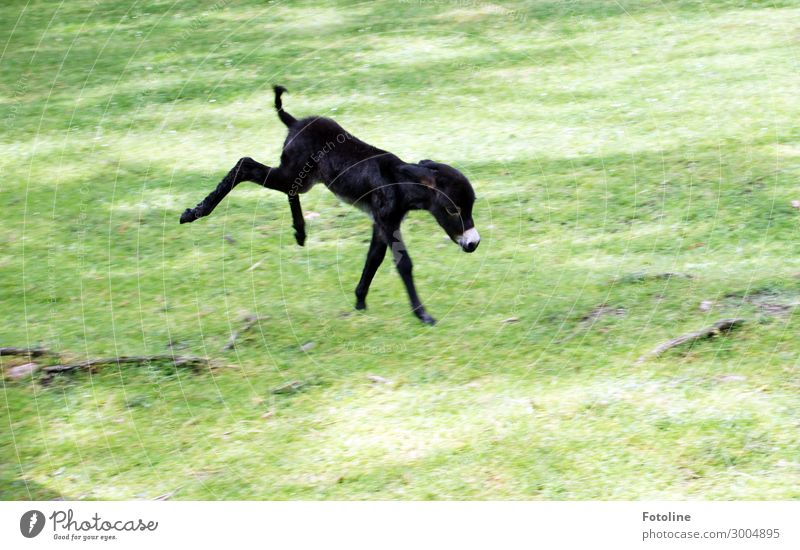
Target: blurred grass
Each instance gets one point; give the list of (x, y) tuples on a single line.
[(608, 142)]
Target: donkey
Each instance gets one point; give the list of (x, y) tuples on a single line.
[(316, 150)]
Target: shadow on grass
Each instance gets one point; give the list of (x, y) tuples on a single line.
[(20, 488)]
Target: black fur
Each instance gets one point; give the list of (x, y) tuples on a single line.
[(316, 150), (285, 117)]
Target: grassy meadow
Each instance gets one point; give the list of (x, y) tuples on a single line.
[(635, 164)]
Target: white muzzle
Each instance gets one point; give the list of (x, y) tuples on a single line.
[(469, 240)]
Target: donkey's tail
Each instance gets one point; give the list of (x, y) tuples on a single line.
[(285, 117)]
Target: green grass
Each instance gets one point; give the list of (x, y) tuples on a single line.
[(608, 142)]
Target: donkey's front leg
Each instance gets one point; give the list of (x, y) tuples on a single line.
[(404, 267)]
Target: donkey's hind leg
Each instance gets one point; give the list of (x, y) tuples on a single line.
[(246, 169), (298, 222)]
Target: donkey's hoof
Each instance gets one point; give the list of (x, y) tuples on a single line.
[(427, 319), (300, 238), (361, 304), (188, 216)]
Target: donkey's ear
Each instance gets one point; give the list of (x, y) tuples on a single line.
[(417, 173)]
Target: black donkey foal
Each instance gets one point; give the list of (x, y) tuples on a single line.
[(376, 181)]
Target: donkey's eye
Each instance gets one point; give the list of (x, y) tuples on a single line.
[(456, 212)]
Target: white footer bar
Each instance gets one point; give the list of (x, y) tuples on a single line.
[(406, 525)]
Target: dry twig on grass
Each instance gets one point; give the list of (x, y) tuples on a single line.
[(195, 363), (252, 320), (374, 378), (723, 325), (90, 364), (30, 352)]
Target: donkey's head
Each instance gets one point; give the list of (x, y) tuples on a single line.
[(452, 198)]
